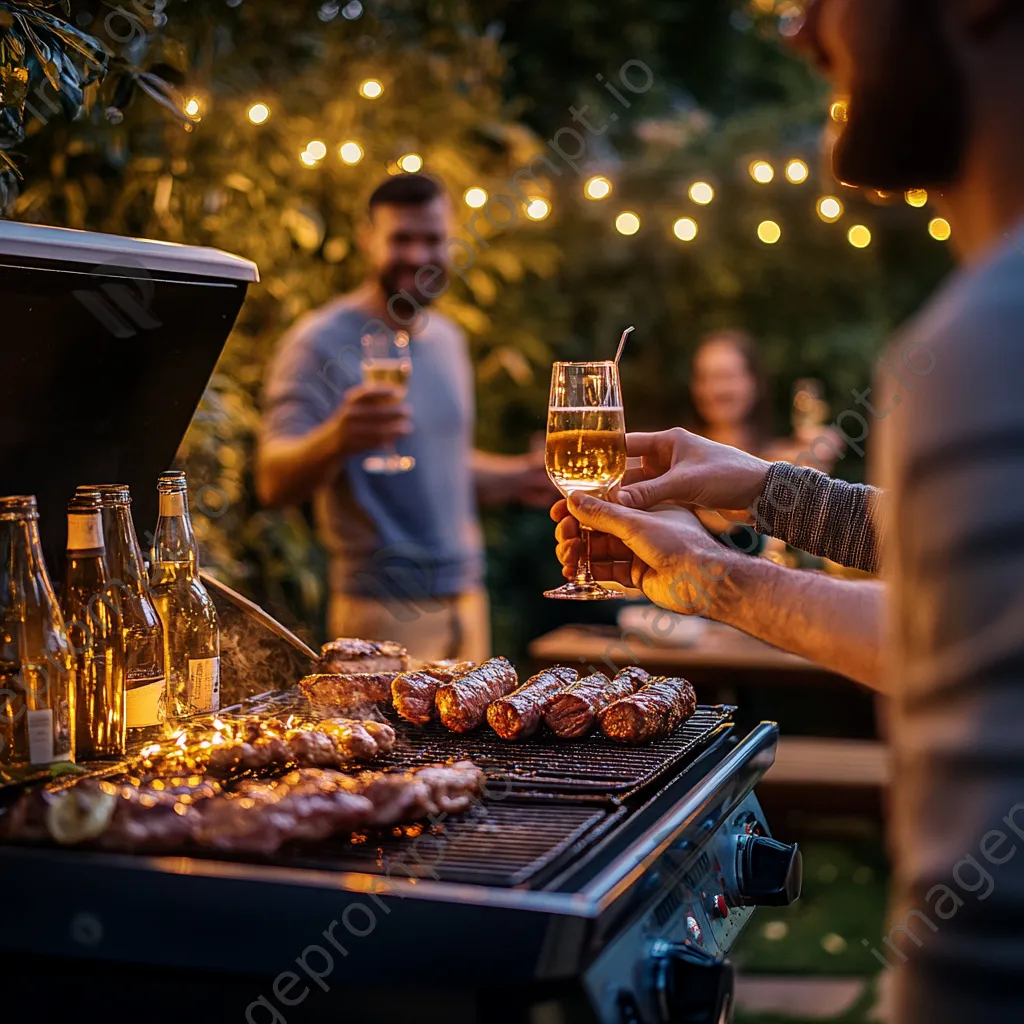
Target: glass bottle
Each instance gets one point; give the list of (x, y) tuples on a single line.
[(191, 634), (37, 691), (142, 633), (90, 618)]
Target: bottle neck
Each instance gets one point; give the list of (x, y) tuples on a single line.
[(23, 575), (174, 541), (124, 556)]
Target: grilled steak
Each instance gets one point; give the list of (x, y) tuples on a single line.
[(423, 792), (462, 703), (520, 713), (347, 692), (652, 712), (573, 713), (348, 655)]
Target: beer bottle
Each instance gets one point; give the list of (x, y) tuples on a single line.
[(90, 620), (37, 693), (141, 632), (191, 635)]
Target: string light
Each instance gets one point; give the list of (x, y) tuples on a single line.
[(762, 172), (916, 197), (308, 159), (627, 223), (839, 112), (797, 172), (597, 187), (769, 232), (258, 113), (317, 149), (350, 152), (411, 163), (859, 236), (193, 107), (939, 228), (685, 229), (371, 89), (538, 209), (475, 197), (701, 193), (829, 209)]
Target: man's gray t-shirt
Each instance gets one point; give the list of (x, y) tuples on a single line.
[(413, 534), (952, 460)]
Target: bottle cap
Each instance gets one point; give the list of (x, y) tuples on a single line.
[(19, 506), (111, 495), (170, 482)]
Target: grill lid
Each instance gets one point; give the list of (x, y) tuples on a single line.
[(108, 346)]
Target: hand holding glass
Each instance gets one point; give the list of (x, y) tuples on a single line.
[(386, 363), (585, 450)]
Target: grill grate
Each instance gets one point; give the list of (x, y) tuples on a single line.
[(591, 766), (494, 844)]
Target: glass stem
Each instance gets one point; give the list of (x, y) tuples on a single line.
[(584, 577)]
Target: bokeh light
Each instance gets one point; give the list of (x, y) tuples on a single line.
[(859, 236), (762, 172), (371, 89), (829, 209), (627, 223), (701, 193), (475, 197), (797, 171), (939, 228), (538, 209), (597, 187), (685, 229), (411, 163), (258, 113), (769, 232)]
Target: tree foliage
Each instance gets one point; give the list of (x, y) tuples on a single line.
[(478, 89)]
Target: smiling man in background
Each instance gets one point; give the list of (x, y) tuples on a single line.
[(406, 553), (935, 97)]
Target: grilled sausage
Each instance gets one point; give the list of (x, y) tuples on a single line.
[(652, 712), (635, 674), (462, 703), (573, 713), (446, 671), (520, 713)]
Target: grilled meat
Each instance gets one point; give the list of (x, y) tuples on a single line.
[(347, 692), (421, 793), (348, 655), (519, 715), (634, 674), (462, 704), (655, 710), (413, 693), (573, 713), (446, 671), (260, 816), (329, 743)]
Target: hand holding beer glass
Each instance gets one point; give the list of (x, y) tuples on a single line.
[(585, 450), (386, 363)]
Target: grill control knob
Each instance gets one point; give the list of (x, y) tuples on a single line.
[(768, 873), (691, 986)]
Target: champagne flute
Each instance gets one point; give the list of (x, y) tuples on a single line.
[(585, 450), (386, 363)]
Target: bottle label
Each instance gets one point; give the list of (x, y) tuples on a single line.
[(40, 737), (204, 684), (85, 532), (172, 504), (144, 704)]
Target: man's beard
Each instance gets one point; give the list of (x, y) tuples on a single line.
[(909, 121), (408, 299)]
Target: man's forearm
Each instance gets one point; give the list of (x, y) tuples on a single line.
[(835, 623), (289, 470)]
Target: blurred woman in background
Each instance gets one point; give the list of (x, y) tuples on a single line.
[(729, 393)]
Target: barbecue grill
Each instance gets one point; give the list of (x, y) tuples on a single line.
[(591, 882)]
